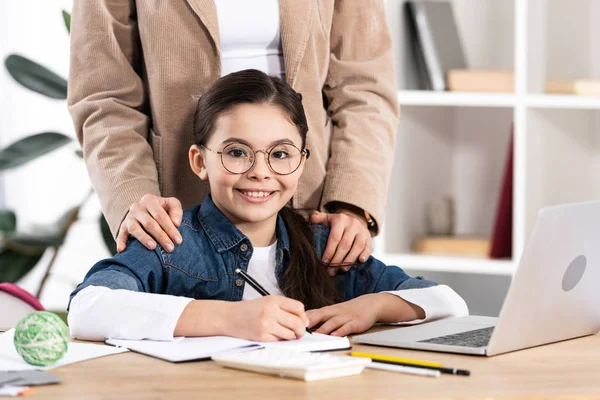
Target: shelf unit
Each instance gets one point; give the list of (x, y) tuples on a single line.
[(455, 143)]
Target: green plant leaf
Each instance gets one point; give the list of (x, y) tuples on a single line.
[(13, 265), (30, 148), (32, 243), (67, 19), (36, 77), (8, 221), (109, 241)]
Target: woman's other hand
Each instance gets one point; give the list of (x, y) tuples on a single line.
[(349, 239), (150, 220)]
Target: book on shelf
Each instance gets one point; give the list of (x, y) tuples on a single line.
[(502, 234), (435, 39), (481, 80), (584, 87), (453, 245)]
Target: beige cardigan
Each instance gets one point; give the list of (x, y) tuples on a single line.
[(137, 65)]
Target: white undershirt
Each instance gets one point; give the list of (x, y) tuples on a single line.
[(250, 36), (261, 267), (99, 313)]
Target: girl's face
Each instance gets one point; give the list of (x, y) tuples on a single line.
[(258, 194)]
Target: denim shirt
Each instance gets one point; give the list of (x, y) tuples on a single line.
[(203, 266)]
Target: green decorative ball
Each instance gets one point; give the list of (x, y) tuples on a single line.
[(41, 338)]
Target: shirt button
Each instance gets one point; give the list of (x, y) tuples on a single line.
[(239, 282), (244, 247)]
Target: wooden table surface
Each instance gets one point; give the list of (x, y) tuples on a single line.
[(565, 370)]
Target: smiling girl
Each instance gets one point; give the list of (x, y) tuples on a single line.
[(250, 134)]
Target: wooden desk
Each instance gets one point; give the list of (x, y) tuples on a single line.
[(564, 370)]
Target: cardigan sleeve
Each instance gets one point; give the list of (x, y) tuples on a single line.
[(362, 103), (108, 103)]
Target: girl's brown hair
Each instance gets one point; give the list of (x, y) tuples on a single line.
[(306, 278)]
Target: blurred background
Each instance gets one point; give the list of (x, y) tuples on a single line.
[(500, 116), (42, 189)]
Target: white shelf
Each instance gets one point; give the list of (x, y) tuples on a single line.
[(431, 98), (563, 101), (449, 264), (465, 99)]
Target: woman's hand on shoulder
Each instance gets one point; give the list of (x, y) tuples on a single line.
[(349, 239), (267, 319), (352, 316), (150, 220)]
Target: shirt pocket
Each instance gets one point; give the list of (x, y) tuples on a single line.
[(199, 278)]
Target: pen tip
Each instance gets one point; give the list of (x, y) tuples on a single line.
[(237, 270)]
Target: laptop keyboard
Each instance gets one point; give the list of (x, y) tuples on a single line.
[(474, 338)]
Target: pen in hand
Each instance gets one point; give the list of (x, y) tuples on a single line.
[(258, 288)]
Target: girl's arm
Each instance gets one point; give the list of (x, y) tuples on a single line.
[(266, 319)]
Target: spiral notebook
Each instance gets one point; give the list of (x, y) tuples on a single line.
[(202, 348)]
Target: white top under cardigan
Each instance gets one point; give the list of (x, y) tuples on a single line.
[(99, 313), (250, 36)]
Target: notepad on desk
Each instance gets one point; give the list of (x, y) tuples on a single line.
[(202, 348)]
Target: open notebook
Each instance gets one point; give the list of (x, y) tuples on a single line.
[(202, 348)]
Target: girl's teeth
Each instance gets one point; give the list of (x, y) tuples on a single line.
[(257, 194)]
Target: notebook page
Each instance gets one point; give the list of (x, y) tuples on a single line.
[(186, 349), (314, 342)]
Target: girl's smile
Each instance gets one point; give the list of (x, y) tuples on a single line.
[(256, 196)]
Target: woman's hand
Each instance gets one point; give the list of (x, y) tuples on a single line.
[(349, 239), (152, 218), (359, 314), (268, 319)]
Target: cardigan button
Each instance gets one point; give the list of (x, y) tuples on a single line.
[(244, 247), (239, 282)]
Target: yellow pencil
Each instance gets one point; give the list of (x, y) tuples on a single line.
[(378, 357)]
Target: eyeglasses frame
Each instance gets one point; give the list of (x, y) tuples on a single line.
[(267, 152)]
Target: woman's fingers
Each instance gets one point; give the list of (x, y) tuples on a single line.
[(335, 236), (150, 220), (135, 229), (165, 232), (175, 210), (352, 244), (360, 246), (349, 242)]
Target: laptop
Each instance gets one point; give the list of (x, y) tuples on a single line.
[(553, 295)]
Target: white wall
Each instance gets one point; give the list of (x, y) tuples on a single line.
[(42, 190)]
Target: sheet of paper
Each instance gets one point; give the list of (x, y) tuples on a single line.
[(185, 349), (314, 342), (10, 360), (201, 348)]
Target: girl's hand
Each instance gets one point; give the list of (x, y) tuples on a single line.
[(349, 239), (268, 319), (359, 314), (152, 218), (353, 316)]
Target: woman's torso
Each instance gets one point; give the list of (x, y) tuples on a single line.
[(182, 55)]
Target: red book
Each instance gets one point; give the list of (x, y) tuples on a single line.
[(502, 237)]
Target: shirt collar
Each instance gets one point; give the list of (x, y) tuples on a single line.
[(225, 235)]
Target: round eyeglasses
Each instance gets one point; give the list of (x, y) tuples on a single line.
[(282, 159)]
